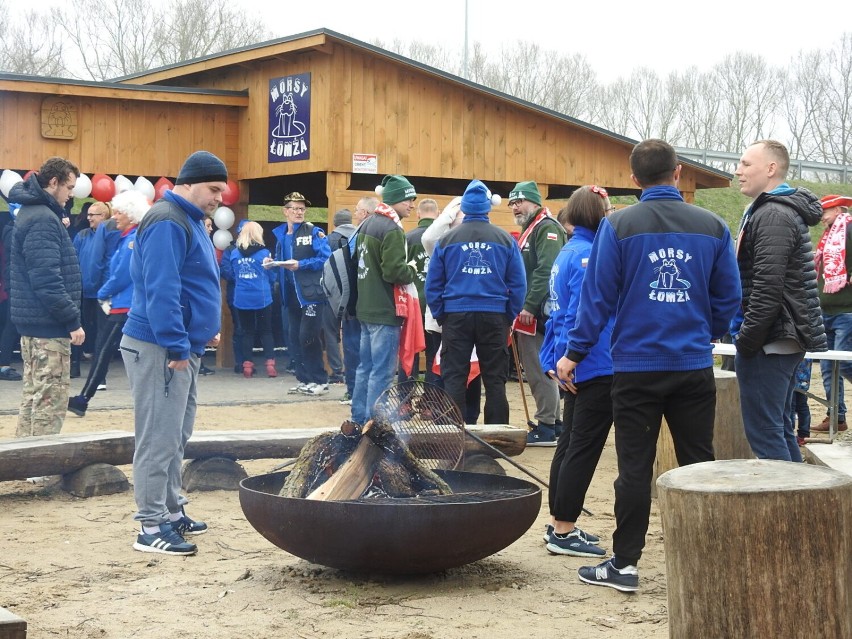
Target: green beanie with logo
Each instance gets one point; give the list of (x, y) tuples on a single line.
[(395, 189), (525, 191)]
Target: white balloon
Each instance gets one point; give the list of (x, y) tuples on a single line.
[(83, 188), (122, 184), (222, 239), (223, 218), (145, 187), (8, 179)]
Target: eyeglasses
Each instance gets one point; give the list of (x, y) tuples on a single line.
[(297, 209), (610, 210), (516, 202)]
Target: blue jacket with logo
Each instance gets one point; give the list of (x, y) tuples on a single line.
[(566, 281), (252, 282), (476, 267), (667, 270)]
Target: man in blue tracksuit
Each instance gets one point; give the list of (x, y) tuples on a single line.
[(174, 314), (304, 250), (475, 287), (668, 272)]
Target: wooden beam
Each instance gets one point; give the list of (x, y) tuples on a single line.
[(251, 55), (112, 92), (12, 626)]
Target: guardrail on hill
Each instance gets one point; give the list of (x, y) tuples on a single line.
[(799, 166)]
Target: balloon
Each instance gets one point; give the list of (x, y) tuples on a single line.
[(28, 174), (144, 186), (222, 239), (161, 186), (122, 184), (8, 179), (231, 194), (103, 188), (223, 218), (83, 188)]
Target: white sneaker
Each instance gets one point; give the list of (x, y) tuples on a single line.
[(315, 389), (298, 389), (102, 387)]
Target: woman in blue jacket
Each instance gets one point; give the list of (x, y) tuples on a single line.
[(128, 209), (253, 295), (587, 415)]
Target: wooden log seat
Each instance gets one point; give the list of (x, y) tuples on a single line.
[(757, 548)]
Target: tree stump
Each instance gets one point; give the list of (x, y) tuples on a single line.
[(94, 480), (757, 549), (212, 473)]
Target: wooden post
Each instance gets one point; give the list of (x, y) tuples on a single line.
[(729, 440), (225, 350), (758, 548), (335, 185)]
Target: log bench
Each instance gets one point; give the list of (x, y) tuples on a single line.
[(87, 460)]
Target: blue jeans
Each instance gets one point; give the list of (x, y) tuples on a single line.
[(766, 390), (838, 331), (351, 329), (379, 358)]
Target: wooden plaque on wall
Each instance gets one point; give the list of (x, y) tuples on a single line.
[(59, 118)]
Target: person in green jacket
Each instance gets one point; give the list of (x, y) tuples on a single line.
[(541, 240), (382, 263)]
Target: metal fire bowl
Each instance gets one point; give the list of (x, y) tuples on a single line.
[(393, 536)]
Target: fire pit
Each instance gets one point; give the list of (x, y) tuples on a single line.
[(414, 535)]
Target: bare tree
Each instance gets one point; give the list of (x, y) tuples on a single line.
[(30, 46), (804, 102), (196, 28), (699, 106), (836, 144)]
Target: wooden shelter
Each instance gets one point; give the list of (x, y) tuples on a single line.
[(319, 113), (367, 112)]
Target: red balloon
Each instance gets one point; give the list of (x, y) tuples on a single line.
[(103, 188), (161, 186), (231, 194), (27, 175)]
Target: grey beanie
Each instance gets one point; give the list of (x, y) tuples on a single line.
[(202, 166), (343, 216)]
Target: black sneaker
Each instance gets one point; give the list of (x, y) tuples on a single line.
[(337, 378), (188, 526), (605, 574), (573, 544), (10, 375), (78, 405), (203, 370), (167, 542)]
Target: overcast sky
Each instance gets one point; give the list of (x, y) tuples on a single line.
[(615, 35)]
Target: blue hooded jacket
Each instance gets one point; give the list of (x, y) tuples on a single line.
[(252, 282), (119, 285), (566, 281), (176, 296)]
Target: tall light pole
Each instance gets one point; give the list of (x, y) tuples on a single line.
[(464, 73)]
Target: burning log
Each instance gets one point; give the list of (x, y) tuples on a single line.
[(371, 464)]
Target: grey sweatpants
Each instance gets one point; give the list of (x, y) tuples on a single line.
[(545, 392), (164, 412)]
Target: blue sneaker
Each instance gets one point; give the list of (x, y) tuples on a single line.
[(573, 544), (186, 526), (167, 542), (592, 539), (541, 436), (605, 574)]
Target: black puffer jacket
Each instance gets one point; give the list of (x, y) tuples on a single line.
[(46, 282), (776, 260)]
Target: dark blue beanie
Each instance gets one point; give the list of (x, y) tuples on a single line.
[(202, 166)]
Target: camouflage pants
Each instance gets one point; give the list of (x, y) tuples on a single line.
[(47, 378)]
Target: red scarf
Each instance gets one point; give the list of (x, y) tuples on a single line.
[(831, 255), (525, 236)]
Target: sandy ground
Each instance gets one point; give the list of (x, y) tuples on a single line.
[(67, 565)]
